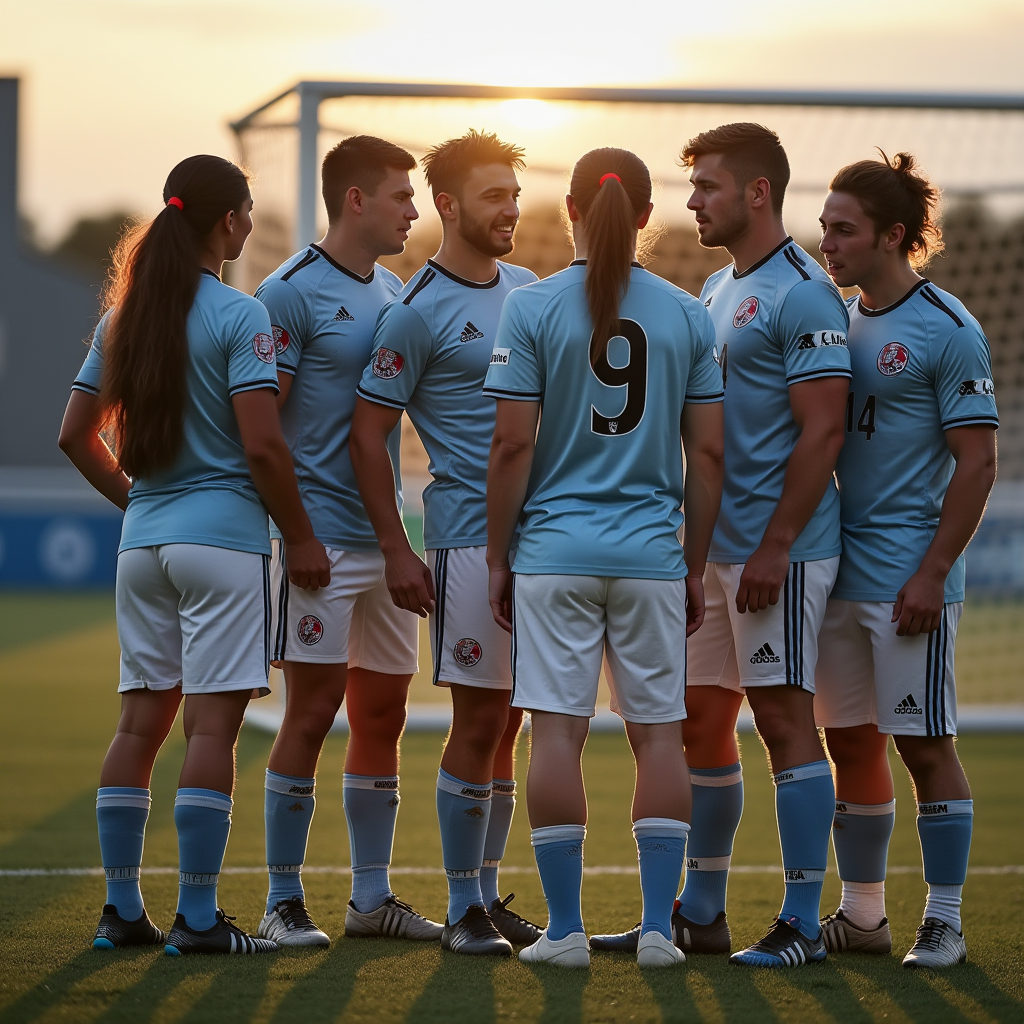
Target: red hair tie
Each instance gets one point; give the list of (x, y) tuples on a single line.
[(605, 177), (175, 201)]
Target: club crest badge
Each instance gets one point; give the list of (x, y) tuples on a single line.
[(467, 652), (310, 629), (893, 359), (263, 346), (281, 339), (745, 312), (387, 363)]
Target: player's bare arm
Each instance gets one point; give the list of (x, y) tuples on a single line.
[(270, 463), (284, 387), (920, 602), (508, 473), (704, 445), (80, 441), (407, 576), (819, 410)]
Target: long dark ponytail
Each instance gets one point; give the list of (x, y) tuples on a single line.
[(152, 287), (611, 189)]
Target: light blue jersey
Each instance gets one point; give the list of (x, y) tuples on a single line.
[(432, 348), (323, 318), (607, 477), (920, 367), (207, 496), (780, 322)]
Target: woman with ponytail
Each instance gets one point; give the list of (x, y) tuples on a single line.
[(173, 418), (621, 362)]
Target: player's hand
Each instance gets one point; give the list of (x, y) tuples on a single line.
[(694, 604), (762, 578), (409, 582), (919, 605), (499, 592), (308, 564)]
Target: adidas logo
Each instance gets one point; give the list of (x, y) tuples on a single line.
[(343, 314), (470, 332), (296, 807), (908, 706), (474, 812), (765, 656)]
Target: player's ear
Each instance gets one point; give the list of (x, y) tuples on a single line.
[(894, 237), (354, 199), (572, 209), (446, 206), (645, 217), (760, 192)]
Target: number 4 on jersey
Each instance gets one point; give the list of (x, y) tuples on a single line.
[(866, 422)]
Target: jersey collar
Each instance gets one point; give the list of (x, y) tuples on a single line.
[(763, 260), (462, 280), (337, 266), (210, 273), (583, 263), (864, 311)]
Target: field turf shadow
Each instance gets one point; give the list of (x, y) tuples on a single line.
[(460, 990), (563, 993)]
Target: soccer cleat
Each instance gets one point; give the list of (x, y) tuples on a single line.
[(516, 929), (688, 936), (572, 951), (783, 946), (223, 937), (617, 942), (393, 919), (474, 934), (841, 935), (654, 950), (937, 945), (114, 932), (289, 924)]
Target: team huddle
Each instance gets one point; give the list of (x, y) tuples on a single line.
[(832, 458)]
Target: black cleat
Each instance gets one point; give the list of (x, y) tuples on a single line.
[(223, 937), (474, 933), (516, 929), (688, 936), (114, 932), (783, 946), (618, 942)]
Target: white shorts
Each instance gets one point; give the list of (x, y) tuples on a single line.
[(868, 675), (350, 621), (193, 616), (565, 625), (468, 646), (776, 646)]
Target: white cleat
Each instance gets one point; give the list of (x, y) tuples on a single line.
[(289, 924), (654, 950), (937, 945), (572, 951)]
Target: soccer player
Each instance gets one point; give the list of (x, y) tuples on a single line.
[(432, 348), (780, 326), (599, 569), (181, 371), (348, 638), (914, 475)]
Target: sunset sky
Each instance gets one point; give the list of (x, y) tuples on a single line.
[(114, 92)]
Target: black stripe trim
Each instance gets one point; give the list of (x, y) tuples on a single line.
[(267, 605), (763, 260), (927, 293), (204, 270), (461, 280), (990, 421), (514, 646), (942, 680), (797, 265), (786, 623), (583, 263), (929, 715), (310, 257), (82, 386), (492, 392), (337, 266), (802, 573), (440, 589), (813, 374), (371, 397), (428, 276), (281, 641), (716, 397), (253, 385), (865, 311)]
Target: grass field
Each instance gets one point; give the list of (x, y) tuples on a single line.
[(58, 659)]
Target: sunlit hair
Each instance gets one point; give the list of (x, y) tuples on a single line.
[(895, 192), (362, 161), (749, 151), (609, 215), (448, 165), (151, 288)]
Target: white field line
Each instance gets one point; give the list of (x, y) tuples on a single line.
[(599, 869)]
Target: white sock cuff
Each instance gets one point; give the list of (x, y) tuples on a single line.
[(709, 863), (717, 781), (290, 785), (945, 807), (468, 873), (558, 834), (814, 770), (140, 798), (503, 787), (126, 874), (673, 827), (804, 875), (449, 784), (204, 798), (490, 863), (865, 810), (381, 783), (197, 878), (284, 869), (862, 888)]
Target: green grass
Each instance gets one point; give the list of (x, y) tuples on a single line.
[(58, 711)]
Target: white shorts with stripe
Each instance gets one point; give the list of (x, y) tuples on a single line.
[(776, 646), (563, 626), (468, 646), (194, 616), (868, 675), (350, 621)]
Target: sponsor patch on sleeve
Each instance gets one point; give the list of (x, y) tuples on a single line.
[(981, 386), (500, 356), (281, 339), (821, 339), (263, 346), (387, 363)]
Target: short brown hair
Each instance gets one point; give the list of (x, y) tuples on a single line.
[(748, 151), (896, 192), (447, 166), (362, 161)]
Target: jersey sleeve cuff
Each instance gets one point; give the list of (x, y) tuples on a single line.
[(832, 371), (516, 396), (290, 370), (253, 385), (379, 399), (718, 396), (967, 421), (81, 385)]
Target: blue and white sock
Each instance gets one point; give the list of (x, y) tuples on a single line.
[(860, 835), (503, 805), (559, 853), (288, 805), (805, 799), (371, 810), (463, 810), (945, 827), (717, 809), (121, 815), (661, 847), (203, 820)]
